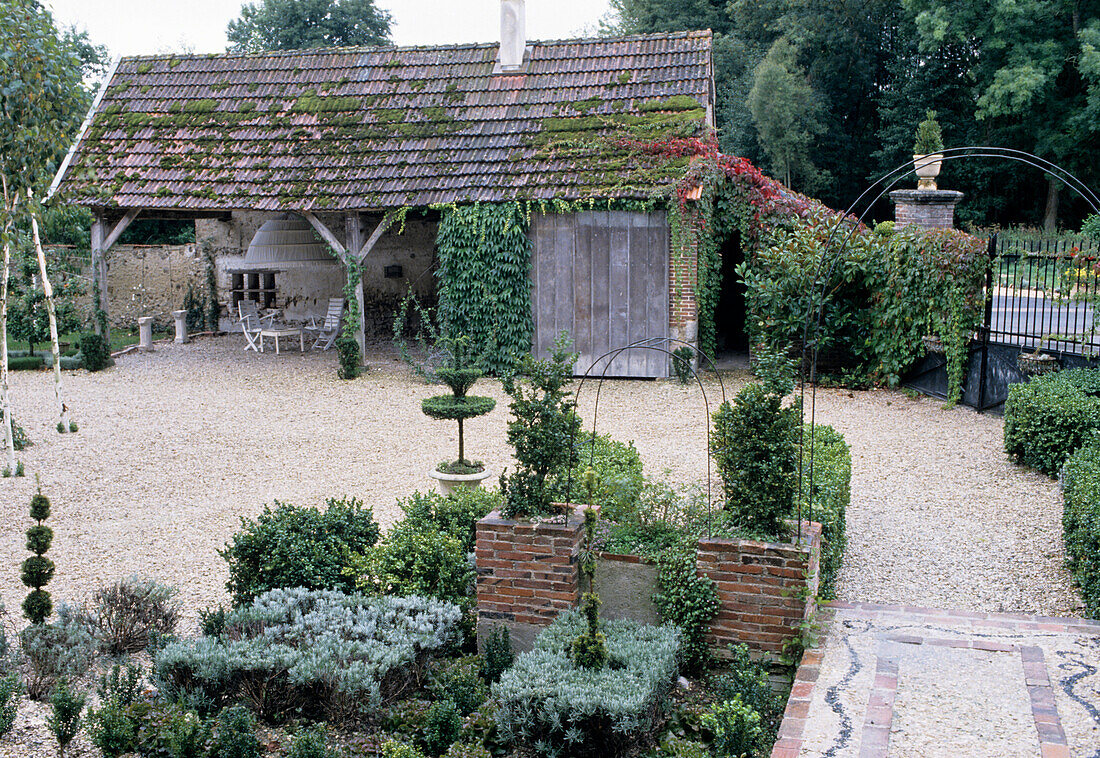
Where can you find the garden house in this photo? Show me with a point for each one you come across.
(376, 148)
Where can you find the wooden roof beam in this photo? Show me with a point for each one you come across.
(119, 228)
(326, 234)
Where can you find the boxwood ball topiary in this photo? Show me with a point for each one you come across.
(37, 571)
(40, 507)
(39, 539)
(37, 606)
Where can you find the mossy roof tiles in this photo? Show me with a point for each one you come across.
(368, 128)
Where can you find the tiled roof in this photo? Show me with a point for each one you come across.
(364, 128)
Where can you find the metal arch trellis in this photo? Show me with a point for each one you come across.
(651, 343)
(815, 312)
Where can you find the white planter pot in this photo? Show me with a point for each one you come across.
(927, 168)
(448, 483)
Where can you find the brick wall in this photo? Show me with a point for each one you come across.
(683, 272)
(527, 573)
(758, 587)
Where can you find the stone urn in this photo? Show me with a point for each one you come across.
(927, 168)
(448, 483)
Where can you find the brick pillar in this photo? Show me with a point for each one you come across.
(763, 589)
(927, 209)
(683, 271)
(527, 573)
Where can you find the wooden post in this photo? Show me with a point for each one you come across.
(99, 276)
(353, 233)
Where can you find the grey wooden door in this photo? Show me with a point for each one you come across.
(602, 277)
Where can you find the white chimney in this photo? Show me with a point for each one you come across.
(513, 34)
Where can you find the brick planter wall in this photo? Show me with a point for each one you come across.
(527, 573)
(759, 587)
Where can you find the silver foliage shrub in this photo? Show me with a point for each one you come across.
(554, 708)
(318, 652)
(125, 614)
(64, 649)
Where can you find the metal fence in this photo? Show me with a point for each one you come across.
(1041, 294)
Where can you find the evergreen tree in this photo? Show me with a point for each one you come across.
(300, 24)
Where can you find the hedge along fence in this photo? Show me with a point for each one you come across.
(1050, 417)
(1081, 521)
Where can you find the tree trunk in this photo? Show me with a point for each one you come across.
(1050, 217)
(47, 288)
(5, 390)
(461, 452)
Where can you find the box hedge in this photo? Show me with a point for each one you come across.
(1050, 417)
(832, 479)
(313, 653)
(1081, 521)
(554, 708)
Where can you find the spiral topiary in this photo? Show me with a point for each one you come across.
(38, 569)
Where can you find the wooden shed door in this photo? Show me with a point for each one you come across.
(602, 277)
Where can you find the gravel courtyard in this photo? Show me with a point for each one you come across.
(175, 446)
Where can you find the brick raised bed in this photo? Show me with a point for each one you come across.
(766, 589)
(527, 573)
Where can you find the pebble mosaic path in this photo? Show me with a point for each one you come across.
(906, 682)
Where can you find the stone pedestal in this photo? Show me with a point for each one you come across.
(181, 327)
(145, 333)
(926, 209)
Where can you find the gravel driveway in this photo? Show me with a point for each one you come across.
(175, 446)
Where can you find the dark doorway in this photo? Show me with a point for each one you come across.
(729, 316)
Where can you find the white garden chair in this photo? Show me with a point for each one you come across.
(328, 330)
(252, 323)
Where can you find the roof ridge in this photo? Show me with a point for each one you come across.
(700, 33)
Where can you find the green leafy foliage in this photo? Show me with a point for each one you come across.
(288, 546)
(64, 719)
(235, 734)
(38, 569)
(736, 728)
(455, 514)
(460, 682)
(1081, 521)
(551, 707)
(828, 498)
(442, 726)
(753, 444)
(11, 687)
(458, 372)
(297, 24)
(589, 649)
(395, 749)
(498, 655)
(747, 679)
(311, 653)
(484, 285)
(682, 364)
(687, 600)
(112, 728)
(19, 436)
(95, 351)
(347, 350)
(929, 136)
(416, 560)
(618, 470)
(543, 424)
(1050, 417)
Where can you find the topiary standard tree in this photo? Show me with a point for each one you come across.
(38, 569)
(459, 373)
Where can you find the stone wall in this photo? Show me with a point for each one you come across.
(150, 280)
(765, 589)
(626, 584)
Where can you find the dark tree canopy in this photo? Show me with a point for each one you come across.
(300, 24)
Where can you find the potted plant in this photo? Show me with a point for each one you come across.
(927, 157)
(459, 373)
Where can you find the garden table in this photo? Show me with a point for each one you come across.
(289, 331)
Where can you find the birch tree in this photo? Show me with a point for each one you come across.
(42, 101)
(51, 311)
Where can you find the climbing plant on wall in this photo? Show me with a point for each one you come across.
(484, 279)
